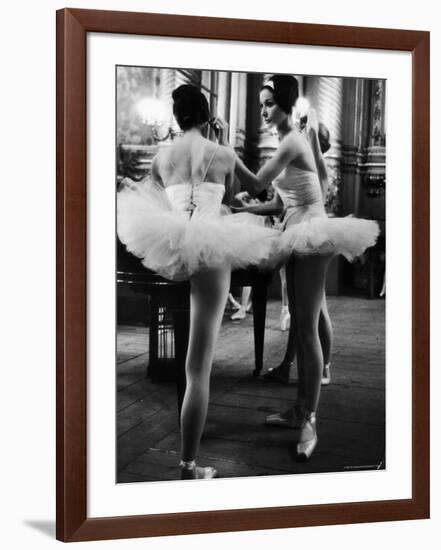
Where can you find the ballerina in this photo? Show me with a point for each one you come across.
(281, 373)
(308, 241)
(174, 223)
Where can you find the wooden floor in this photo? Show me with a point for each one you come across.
(351, 420)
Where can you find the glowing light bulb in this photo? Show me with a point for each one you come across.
(152, 111)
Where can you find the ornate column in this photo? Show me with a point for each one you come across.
(354, 136)
(364, 170)
(365, 151)
(374, 178)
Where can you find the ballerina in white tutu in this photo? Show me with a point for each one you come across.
(176, 223)
(281, 373)
(309, 238)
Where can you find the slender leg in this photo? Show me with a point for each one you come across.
(326, 332)
(241, 313)
(181, 330)
(292, 349)
(245, 299)
(309, 283)
(208, 294)
(284, 291)
(285, 318)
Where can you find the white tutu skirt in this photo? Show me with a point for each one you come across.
(177, 245)
(308, 231)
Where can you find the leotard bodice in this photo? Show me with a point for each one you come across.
(297, 187)
(203, 197)
(300, 193)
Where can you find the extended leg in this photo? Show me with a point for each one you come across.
(309, 283)
(326, 335)
(208, 294)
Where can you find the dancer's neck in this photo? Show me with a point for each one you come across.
(193, 133)
(285, 127)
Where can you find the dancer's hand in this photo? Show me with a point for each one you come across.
(242, 199)
(221, 129)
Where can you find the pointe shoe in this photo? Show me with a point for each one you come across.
(239, 315)
(292, 418)
(308, 438)
(326, 377)
(189, 470)
(278, 374)
(285, 319)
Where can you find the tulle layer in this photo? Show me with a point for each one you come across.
(348, 236)
(177, 245)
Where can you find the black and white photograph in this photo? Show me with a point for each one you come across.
(226, 344)
(250, 276)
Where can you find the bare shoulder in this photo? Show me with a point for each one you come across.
(294, 140)
(160, 163)
(227, 154)
(163, 157)
(158, 159)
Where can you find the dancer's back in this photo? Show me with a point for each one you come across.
(193, 159)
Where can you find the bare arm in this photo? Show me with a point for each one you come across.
(288, 150)
(229, 184)
(290, 147)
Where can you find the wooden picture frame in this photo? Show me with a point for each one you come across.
(72, 521)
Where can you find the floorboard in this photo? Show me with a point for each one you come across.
(236, 441)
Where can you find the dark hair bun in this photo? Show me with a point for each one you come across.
(190, 106)
(285, 89)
